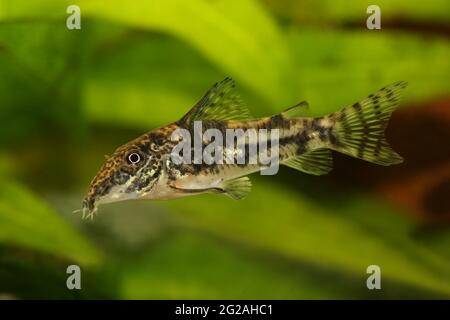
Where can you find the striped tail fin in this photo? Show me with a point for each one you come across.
(359, 128)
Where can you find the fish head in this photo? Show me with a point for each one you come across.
(130, 173)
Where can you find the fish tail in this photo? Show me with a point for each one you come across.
(359, 128)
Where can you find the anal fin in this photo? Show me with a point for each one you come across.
(237, 188)
(317, 162)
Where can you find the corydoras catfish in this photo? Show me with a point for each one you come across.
(144, 168)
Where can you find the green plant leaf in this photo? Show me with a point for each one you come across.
(365, 62)
(188, 266)
(39, 66)
(292, 225)
(27, 221)
(146, 81)
(332, 12)
(320, 66)
(222, 33)
(134, 95)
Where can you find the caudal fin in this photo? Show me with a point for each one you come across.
(359, 128)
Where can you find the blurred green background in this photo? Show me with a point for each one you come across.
(68, 97)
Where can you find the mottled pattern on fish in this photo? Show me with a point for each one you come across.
(143, 167)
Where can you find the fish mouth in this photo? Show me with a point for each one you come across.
(90, 204)
(89, 208)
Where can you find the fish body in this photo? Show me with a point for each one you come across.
(145, 168)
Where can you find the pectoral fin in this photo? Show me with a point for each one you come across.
(198, 191)
(238, 188)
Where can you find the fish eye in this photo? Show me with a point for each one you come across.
(134, 158)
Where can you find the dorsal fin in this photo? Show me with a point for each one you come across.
(316, 162)
(295, 111)
(221, 102)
